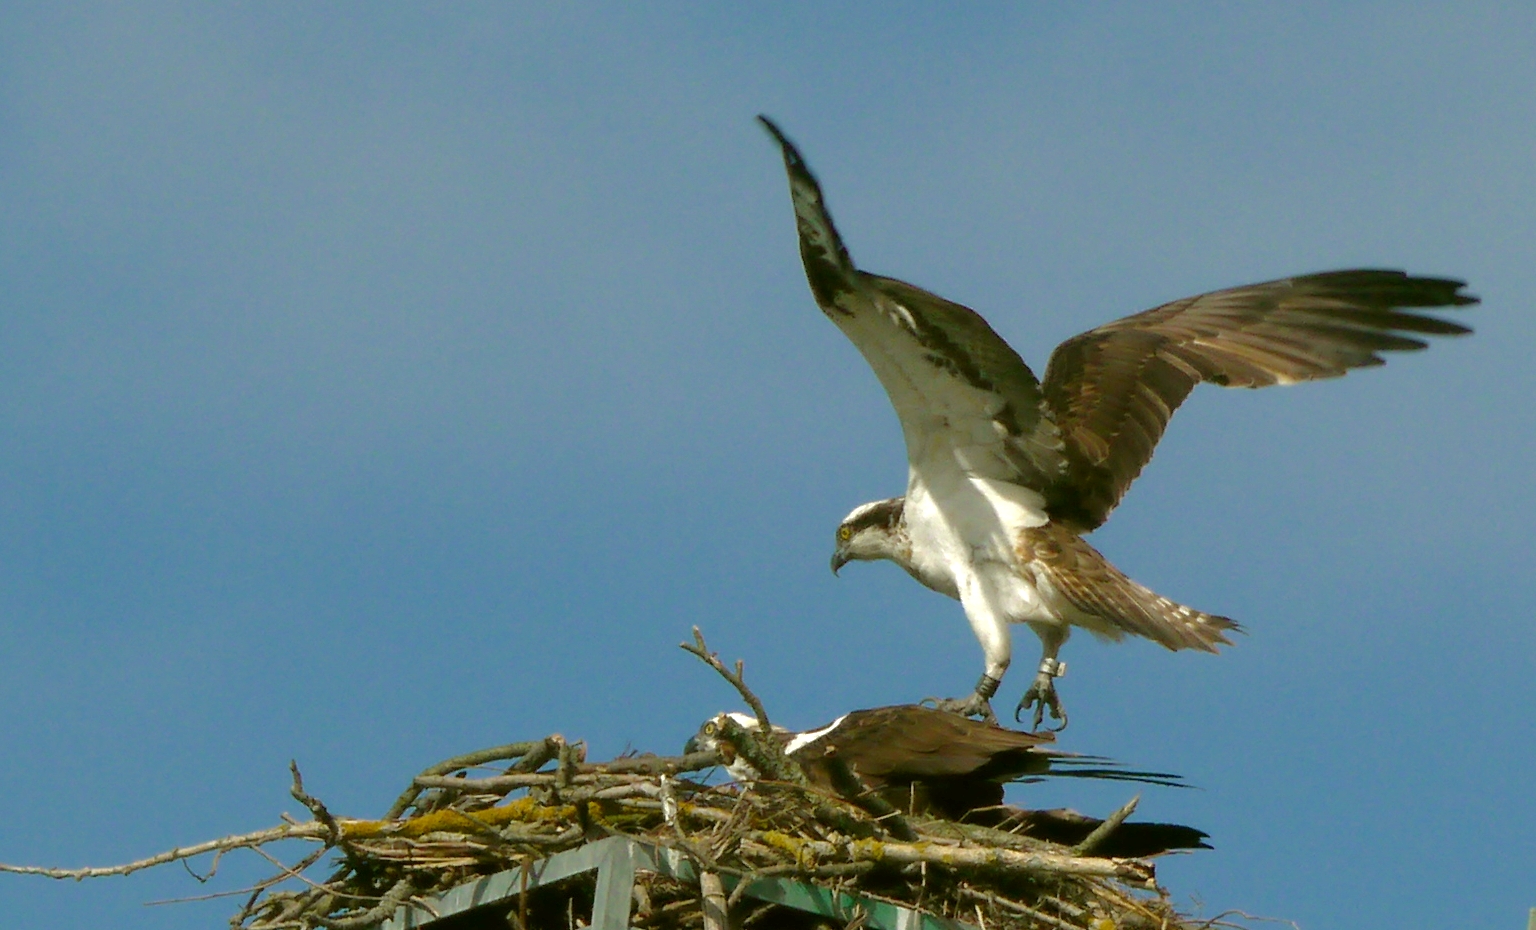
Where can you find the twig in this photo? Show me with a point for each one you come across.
(1019, 908)
(468, 760)
(652, 765)
(284, 872)
(315, 806)
(1102, 831)
(375, 915)
(637, 769)
(565, 764)
(698, 648)
(1218, 922)
(303, 831)
(986, 836)
(503, 783)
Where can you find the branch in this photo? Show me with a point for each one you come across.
(316, 808)
(1018, 907)
(468, 760)
(765, 754)
(699, 649)
(300, 831)
(375, 915)
(1102, 831)
(960, 856)
(712, 890)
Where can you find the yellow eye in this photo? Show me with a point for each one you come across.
(710, 728)
(844, 533)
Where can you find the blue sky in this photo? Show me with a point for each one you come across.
(380, 382)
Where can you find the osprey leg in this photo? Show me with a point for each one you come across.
(1042, 692)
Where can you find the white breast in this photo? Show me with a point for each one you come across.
(961, 523)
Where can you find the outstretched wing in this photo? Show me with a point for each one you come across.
(1112, 389)
(964, 397)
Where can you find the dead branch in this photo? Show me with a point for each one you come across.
(470, 760)
(1103, 830)
(316, 808)
(302, 831)
(698, 648)
(964, 857)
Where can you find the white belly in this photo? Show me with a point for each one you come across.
(968, 545)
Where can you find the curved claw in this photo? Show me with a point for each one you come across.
(1042, 695)
(973, 706)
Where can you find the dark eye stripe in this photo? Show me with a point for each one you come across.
(886, 513)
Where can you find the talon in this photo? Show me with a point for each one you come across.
(976, 705)
(1042, 695)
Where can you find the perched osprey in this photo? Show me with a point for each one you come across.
(1007, 472)
(927, 761)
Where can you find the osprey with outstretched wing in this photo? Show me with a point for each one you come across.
(1007, 471)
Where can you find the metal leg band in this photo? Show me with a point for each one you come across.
(987, 686)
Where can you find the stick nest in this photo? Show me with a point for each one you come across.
(506, 807)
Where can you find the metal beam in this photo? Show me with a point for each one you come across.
(617, 859)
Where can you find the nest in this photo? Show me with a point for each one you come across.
(449, 828)
(502, 811)
(454, 825)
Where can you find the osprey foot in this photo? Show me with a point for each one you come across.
(1042, 695)
(979, 704)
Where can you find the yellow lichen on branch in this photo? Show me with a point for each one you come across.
(525, 810)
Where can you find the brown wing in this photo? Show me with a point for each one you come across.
(907, 742)
(969, 406)
(1113, 389)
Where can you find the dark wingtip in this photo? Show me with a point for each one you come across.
(776, 132)
(791, 154)
(1441, 292)
(1457, 298)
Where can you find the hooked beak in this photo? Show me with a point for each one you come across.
(839, 559)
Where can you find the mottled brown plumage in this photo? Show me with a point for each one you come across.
(1111, 604)
(1112, 390)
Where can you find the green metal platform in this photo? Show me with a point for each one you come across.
(617, 859)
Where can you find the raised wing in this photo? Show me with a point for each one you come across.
(1112, 389)
(962, 394)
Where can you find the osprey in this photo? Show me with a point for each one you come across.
(1006, 472)
(931, 762)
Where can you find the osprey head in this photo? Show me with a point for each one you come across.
(710, 738)
(871, 531)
